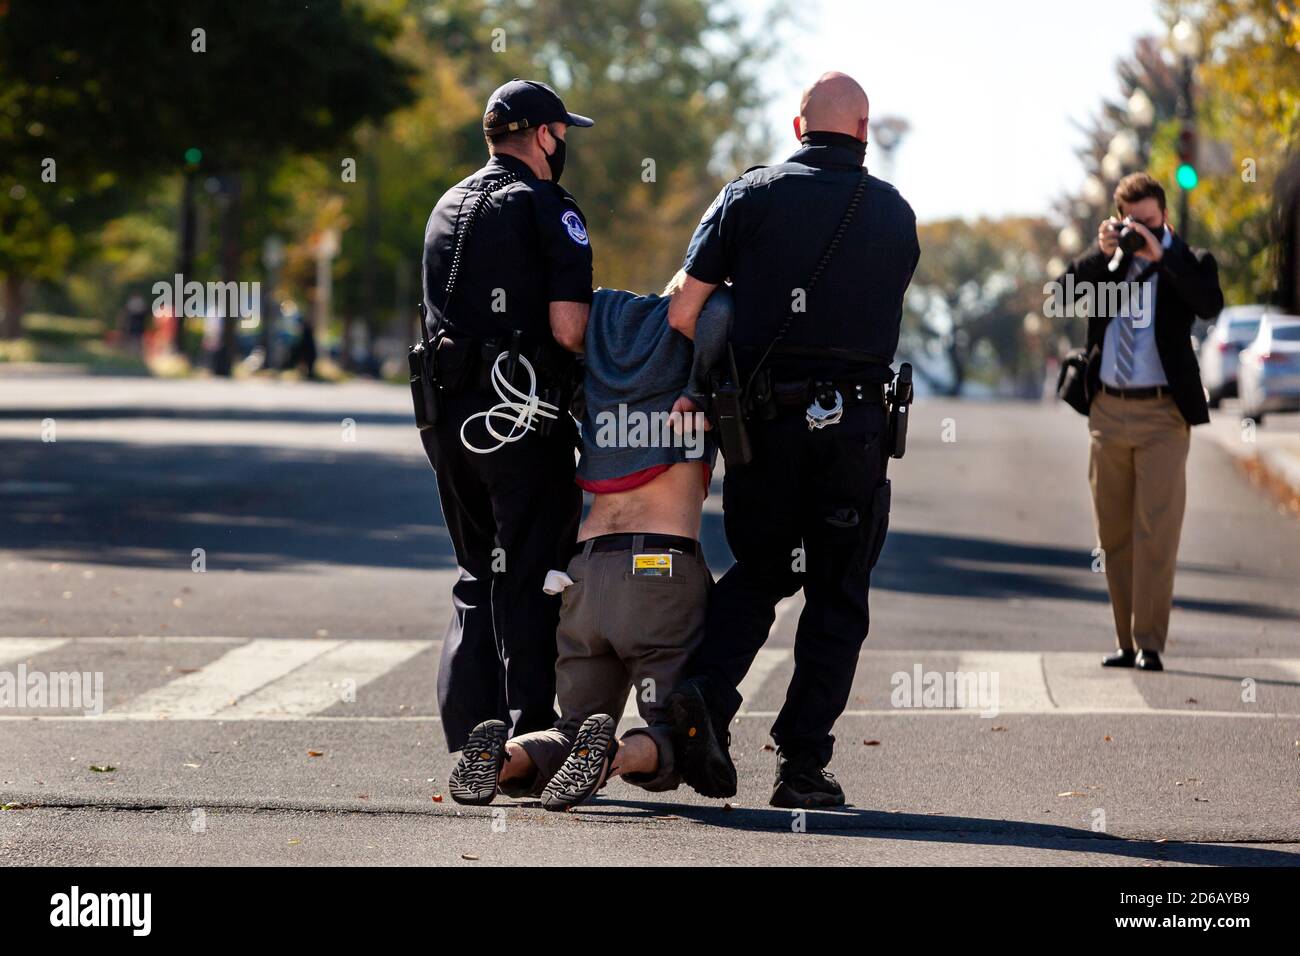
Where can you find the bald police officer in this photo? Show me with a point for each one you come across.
(507, 286)
(816, 327)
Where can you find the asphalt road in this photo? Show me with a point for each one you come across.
(277, 706)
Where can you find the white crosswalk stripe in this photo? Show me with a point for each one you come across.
(219, 685)
(768, 660)
(326, 680)
(16, 649)
(1078, 683)
(1020, 684)
(287, 679)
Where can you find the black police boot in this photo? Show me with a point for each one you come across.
(699, 746)
(1119, 659)
(802, 786)
(1149, 661)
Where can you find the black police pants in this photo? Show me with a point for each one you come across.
(810, 511)
(513, 516)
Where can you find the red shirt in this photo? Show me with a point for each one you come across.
(611, 486)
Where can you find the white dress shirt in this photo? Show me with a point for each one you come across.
(1147, 370)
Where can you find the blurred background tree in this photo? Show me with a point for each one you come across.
(965, 315)
(245, 147)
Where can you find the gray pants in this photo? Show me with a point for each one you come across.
(621, 631)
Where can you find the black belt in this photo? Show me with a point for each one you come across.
(1151, 391)
(628, 541)
(801, 393)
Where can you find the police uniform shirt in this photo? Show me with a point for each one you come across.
(766, 232)
(528, 248)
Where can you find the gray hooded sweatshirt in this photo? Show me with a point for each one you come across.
(636, 369)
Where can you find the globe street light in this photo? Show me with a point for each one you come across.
(1141, 111)
(1185, 39)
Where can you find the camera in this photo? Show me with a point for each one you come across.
(1130, 240)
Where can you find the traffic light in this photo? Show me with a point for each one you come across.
(193, 156)
(1187, 176)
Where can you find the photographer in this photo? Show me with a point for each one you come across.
(1144, 392)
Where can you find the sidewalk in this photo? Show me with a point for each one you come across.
(1270, 453)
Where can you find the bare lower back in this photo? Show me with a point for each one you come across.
(670, 504)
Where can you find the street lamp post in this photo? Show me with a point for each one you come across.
(1186, 42)
(1141, 114)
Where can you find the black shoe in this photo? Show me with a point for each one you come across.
(586, 768)
(474, 778)
(805, 788)
(699, 749)
(1149, 661)
(1119, 659)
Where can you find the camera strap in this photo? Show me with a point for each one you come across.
(849, 212)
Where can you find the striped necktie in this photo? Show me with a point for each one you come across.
(1124, 351)
(1124, 346)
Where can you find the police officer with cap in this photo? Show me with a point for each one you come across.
(819, 255)
(507, 285)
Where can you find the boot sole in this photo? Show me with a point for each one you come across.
(473, 780)
(586, 768)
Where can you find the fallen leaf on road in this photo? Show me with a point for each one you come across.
(469, 856)
(363, 796)
(1192, 700)
(769, 747)
(437, 798)
(102, 768)
(1072, 793)
(294, 842)
(315, 753)
(1201, 799)
(727, 806)
(193, 766)
(999, 727)
(1108, 738)
(871, 743)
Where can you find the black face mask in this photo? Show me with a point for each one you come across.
(555, 160)
(1157, 231)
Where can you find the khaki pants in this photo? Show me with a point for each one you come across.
(619, 632)
(1138, 473)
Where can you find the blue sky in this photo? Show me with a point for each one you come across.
(989, 86)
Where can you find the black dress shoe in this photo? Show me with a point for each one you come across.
(1119, 659)
(1149, 661)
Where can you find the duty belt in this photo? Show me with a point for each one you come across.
(798, 394)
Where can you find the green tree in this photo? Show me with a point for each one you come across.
(125, 90)
(974, 286)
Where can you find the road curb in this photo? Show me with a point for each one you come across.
(1278, 467)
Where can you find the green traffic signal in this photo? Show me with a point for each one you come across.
(1187, 177)
(193, 156)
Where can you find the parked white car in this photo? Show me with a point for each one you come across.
(1235, 328)
(1268, 375)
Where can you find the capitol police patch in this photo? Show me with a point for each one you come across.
(574, 227)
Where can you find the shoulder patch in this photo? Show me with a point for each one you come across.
(572, 223)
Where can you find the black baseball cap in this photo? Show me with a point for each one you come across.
(521, 104)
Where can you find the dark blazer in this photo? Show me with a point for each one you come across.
(1188, 288)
